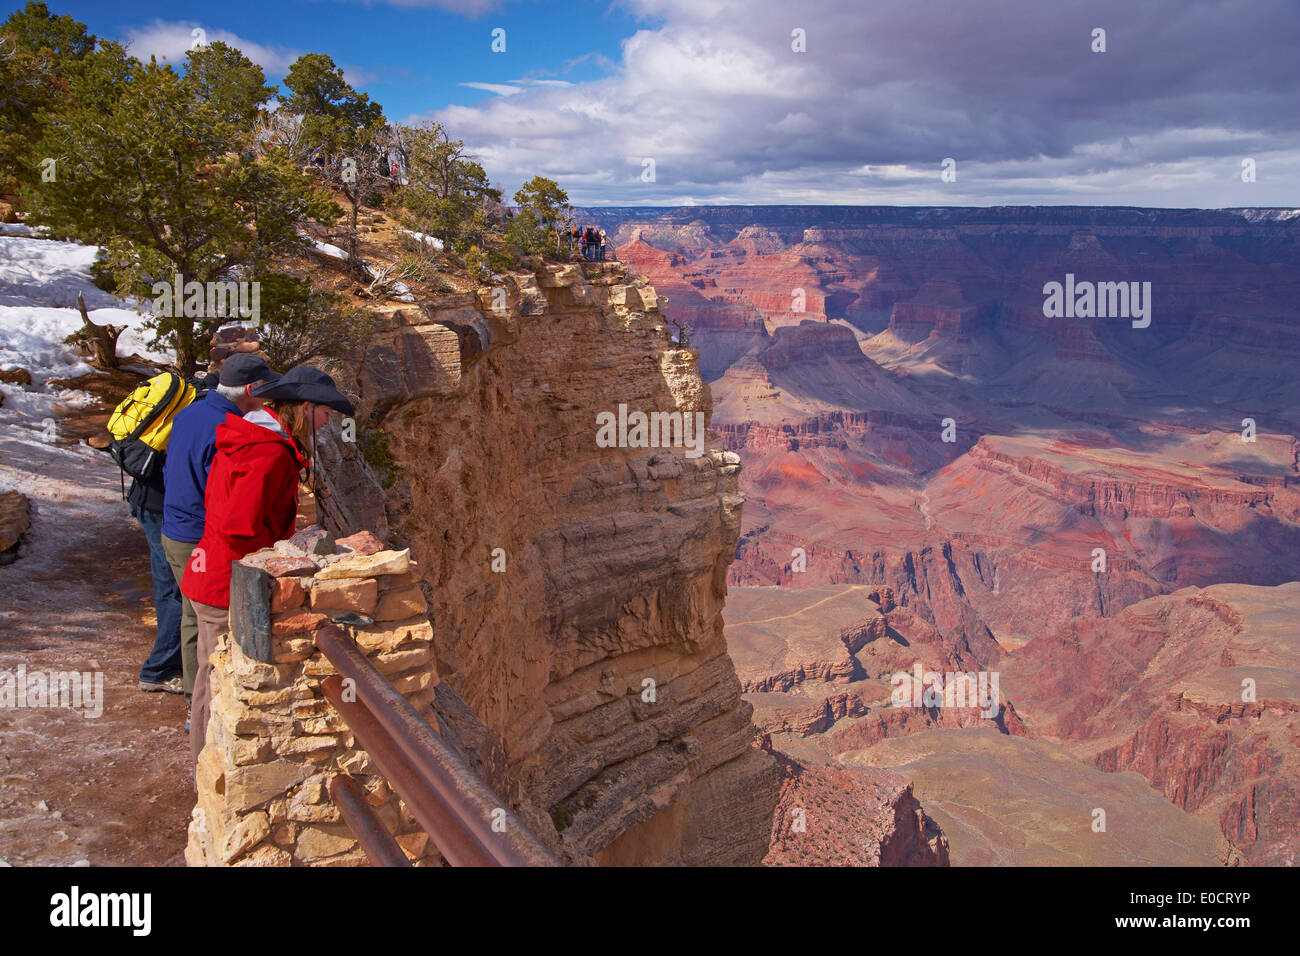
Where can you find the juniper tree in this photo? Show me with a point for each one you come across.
(302, 322)
(342, 131)
(145, 162)
(358, 168)
(544, 211)
(227, 81)
(330, 108)
(38, 52)
(445, 186)
(34, 29)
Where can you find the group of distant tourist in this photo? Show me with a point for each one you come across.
(227, 486)
(589, 241)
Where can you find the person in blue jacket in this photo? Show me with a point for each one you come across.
(190, 449)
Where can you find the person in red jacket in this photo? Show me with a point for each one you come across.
(250, 502)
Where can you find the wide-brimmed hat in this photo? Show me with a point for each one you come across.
(305, 384)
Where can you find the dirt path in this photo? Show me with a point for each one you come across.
(77, 790)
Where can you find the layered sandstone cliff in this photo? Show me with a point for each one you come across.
(576, 591)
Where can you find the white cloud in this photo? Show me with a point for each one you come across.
(171, 40)
(512, 87)
(500, 89)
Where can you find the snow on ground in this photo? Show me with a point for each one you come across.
(34, 408)
(72, 489)
(337, 253)
(68, 487)
(401, 290)
(326, 249)
(39, 282)
(430, 241)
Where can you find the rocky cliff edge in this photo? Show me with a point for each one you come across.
(576, 591)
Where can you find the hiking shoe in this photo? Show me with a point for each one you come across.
(171, 685)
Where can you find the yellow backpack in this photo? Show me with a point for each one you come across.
(142, 423)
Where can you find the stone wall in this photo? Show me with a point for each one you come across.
(273, 740)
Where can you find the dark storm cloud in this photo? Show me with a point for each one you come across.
(1011, 90)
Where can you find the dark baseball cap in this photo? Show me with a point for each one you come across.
(245, 368)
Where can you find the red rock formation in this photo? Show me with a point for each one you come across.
(828, 816)
(1069, 439)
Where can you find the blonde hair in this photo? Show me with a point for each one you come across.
(296, 418)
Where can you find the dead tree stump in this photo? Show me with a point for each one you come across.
(100, 339)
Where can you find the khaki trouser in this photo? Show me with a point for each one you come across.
(178, 555)
(213, 622)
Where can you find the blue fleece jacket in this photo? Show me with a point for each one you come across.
(190, 449)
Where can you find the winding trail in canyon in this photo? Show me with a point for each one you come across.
(810, 607)
(923, 505)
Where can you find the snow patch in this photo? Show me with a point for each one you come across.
(326, 249)
(429, 241)
(402, 292)
(69, 486)
(39, 282)
(1265, 214)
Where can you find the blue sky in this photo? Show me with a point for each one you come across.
(411, 58)
(674, 102)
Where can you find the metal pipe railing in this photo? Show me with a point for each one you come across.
(381, 849)
(468, 822)
(457, 845)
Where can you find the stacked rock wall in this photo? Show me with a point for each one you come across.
(273, 741)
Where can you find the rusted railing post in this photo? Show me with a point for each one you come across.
(470, 824)
(457, 845)
(381, 849)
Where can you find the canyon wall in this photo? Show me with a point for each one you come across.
(576, 591)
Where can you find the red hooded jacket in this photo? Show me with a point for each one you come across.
(250, 503)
